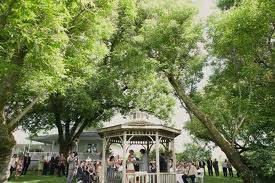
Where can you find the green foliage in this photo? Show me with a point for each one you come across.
(227, 4)
(95, 86)
(194, 152)
(240, 94)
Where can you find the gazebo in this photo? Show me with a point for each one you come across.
(139, 131)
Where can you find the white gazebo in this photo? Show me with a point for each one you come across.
(139, 131)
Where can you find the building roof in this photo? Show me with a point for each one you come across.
(48, 139)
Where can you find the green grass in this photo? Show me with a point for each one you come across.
(33, 178)
(220, 179)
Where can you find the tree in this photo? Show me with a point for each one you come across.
(194, 151)
(240, 95)
(168, 39)
(98, 94)
(31, 62)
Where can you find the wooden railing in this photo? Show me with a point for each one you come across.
(168, 178)
(144, 177)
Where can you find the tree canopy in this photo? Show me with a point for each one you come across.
(74, 64)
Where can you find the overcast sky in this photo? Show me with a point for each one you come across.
(206, 7)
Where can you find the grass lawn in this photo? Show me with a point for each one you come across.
(32, 178)
(220, 179)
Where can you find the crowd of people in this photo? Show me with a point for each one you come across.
(226, 167)
(189, 170)
(20, 164)
(89, 171)
(50, 165)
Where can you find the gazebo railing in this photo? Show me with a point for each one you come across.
(144, 177)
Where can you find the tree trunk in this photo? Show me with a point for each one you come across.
(7, 143)
(64, 149)
(232, 154)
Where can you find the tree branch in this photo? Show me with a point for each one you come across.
(14, 123)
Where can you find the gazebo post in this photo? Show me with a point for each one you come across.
(157, 157)
(174, 155)
(103, 160)
(148, 148)
(124, 157)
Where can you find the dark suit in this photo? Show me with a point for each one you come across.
(202, 165)
(216, 167)
(26, 164)
(209, 167)
(162, 164)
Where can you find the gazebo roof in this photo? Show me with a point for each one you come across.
(139, 125)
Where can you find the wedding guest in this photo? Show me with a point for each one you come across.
(111, 169)
(40, 165)
(13, 164)
(209, 166)
(162, 163)
(26, 163)
(72, 165)
(61, 165)
(143, 163)
(230, 171)
(191, 173)
(202, 165)
(224, 168)
(47, 159)
(98, 170)
(19, 166)
(52, 165)
(216, 167)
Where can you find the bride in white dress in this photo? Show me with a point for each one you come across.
(130, 166)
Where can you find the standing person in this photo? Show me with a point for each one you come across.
(130, 166)
(80, 173)
(111, 169)
(182, 169)
(191, 172)
(162, 163)
(47, 159)
(57, 165)
(202, 165)
(26, 164)
(136, 164)
(216, 167)
(72, 164)
(230, 171)
(152, 167)
(143, 163)
(52, 165)
(209, 166)
(61, 167)
(40, 165)
(19, 166)
(98, 170)
(224, 168)
(13, 164)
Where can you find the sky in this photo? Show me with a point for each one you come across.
(206, 7)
